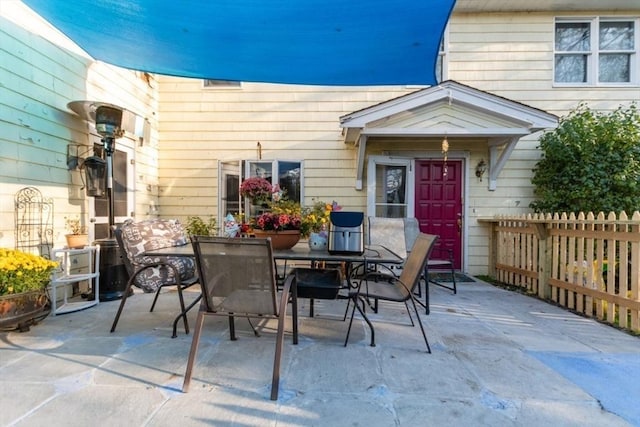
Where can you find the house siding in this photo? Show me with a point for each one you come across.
(511, 55)
(201, 126)
(40, 72)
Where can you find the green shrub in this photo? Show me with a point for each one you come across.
(196, 226)
(590, 162)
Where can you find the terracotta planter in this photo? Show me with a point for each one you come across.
(280, 239)
(20, 311)
(77, 241)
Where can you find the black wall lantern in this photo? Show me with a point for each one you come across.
(481, 168)
(95, 169)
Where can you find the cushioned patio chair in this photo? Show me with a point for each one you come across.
(153, 274)
(237, 277)
(397, 289)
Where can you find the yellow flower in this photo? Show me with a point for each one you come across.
(23, 272)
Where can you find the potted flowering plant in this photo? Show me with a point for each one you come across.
(257, 189)
(23, 281)
(77, 236)
(282, 224)
(316, 218)
(315, 223)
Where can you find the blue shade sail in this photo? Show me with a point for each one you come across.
(319, 42)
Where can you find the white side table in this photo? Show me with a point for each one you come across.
(76, 266)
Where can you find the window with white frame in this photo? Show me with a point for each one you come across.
(390, 184)
(596, 51)
(287, 173)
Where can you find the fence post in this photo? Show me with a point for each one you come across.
(544, 257)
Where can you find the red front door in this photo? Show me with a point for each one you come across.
(438, 204)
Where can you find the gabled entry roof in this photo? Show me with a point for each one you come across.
(448, 109)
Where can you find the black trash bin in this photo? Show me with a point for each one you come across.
(113, 273)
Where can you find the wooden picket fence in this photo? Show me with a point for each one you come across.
(587, 263)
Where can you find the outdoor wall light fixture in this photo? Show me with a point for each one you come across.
(481, 168)
(95, 169)
(94, 181)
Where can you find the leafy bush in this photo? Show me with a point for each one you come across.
(196, 226)
(590, 162)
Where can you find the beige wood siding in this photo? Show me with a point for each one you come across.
(511, 55)
(41, 71)
(202, 126)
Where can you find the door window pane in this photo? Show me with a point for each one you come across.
(391, 191)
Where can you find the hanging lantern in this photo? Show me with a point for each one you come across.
(95, 169)
(445, 151)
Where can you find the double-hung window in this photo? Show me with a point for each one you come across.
(596, 51)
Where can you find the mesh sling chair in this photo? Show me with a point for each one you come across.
(238, 279)
(153, 274)
(443, 262)
(399, 289)
(387, 232)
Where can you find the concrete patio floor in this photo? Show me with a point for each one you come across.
(499, 359)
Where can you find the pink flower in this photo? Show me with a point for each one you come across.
(256, 188)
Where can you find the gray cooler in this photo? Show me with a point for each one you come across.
(346, 233)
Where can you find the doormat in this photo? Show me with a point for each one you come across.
(446, 277)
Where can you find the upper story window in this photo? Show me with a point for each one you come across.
(596, 51)
(221, 83)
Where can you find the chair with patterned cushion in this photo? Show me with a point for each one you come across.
(152, 274)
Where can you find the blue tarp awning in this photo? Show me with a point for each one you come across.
(320, 42)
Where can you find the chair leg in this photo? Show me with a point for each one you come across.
(127, 290)
(184, 314)
(194, 349)
(232, 328)
(425, 304)
(424, 334)
(184, 317)
(453, 278)
(366, 319)
(277, 359)
(353, 311)
(155, 298)
(406, 305)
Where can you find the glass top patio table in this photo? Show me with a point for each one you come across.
(373, 254)
(301, 252)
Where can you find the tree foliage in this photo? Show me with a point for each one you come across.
(590, 162)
